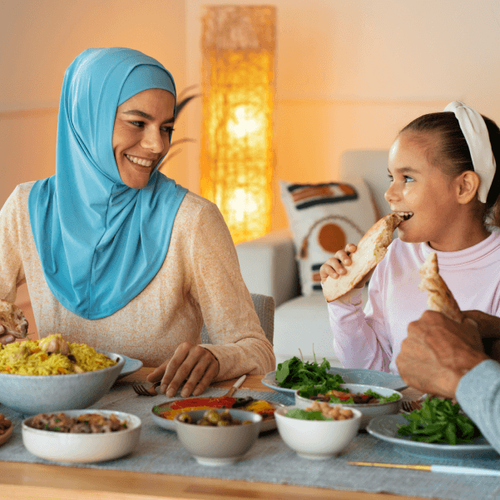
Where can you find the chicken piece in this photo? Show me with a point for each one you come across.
(54, 344)
(22, 353)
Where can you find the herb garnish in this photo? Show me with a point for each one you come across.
(439, 421)
(306, 415)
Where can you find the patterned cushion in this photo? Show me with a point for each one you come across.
(324, 218)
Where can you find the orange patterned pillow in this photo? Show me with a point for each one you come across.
(323, 219)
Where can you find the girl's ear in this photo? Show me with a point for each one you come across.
(467, 186)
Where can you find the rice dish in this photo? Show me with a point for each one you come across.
(51, 356)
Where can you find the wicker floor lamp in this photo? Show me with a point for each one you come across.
(237, 158)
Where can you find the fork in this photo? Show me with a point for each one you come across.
(142, 391)
(409, 406)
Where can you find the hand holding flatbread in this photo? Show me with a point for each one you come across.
(370, 251)
(440, 297)
(13, 320)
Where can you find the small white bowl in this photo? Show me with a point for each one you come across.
(83, 448)
(316, 439)
(211, 445)
(369, 410)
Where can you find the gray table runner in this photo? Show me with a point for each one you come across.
(270, 460)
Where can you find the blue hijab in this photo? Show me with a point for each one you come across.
(100, 242)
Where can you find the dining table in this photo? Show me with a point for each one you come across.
(53, 481)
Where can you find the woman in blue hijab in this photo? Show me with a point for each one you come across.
(120, 256)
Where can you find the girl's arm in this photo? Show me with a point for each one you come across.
(359, 336)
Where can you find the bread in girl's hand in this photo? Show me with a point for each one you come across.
(13, 319)
(440, 297)
(370, 251)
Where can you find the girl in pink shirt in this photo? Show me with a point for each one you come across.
(442, 171)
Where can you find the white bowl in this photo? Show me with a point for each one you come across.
(370, 410)
(33, 394)
(316, 439)
(211, 445)
(84, 448)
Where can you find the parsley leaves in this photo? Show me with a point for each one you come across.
(439, 421)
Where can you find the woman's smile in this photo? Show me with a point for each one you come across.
(139, 161)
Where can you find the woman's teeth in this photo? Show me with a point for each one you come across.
(139, 161)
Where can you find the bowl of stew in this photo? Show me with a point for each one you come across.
(82, 436)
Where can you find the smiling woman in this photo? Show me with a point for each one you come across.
(115, 254)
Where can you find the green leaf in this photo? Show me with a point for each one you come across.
(306, 415)
(439, 421)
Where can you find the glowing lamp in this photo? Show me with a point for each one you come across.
(237, 158)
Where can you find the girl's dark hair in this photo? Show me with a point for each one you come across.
(453, 155)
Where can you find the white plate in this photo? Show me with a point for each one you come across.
(267, 425)
(386, 429)
(131, 366)
(350, 376)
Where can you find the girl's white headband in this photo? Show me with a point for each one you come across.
(476, 134)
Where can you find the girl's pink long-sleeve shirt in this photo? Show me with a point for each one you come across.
(372, 337)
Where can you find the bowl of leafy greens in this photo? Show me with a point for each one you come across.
(372, 401)
(317, 433)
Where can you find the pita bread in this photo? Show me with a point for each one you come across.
(13, 319)
(370, 251)
(440, 297)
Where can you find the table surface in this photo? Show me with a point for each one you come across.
(53, 482)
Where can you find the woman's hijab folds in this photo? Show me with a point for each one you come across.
(100, 242)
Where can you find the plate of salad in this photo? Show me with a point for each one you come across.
(294, 374)
(438, 430)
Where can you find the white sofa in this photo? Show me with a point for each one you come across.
(269, 267)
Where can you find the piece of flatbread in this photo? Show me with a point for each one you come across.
(13, 319)
(370, 251)
(440, 297)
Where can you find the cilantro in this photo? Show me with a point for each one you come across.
(295, 374)
(439, 421)
(306, 415)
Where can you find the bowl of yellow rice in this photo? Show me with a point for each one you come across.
(40, 376)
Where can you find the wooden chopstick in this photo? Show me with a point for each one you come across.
(449, 469)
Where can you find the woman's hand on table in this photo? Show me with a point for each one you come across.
(5, 338)
(192, 365)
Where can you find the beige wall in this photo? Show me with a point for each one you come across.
(39, 39)
(350, 73)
